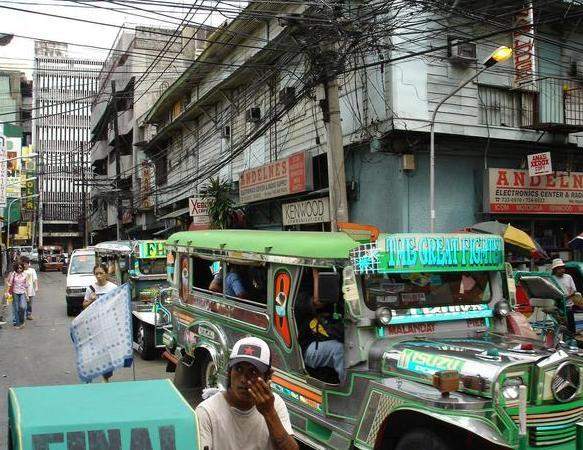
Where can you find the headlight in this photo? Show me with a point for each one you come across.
(510, 388)
(384, 316)
(502, 308)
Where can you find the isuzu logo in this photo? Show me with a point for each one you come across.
(566, 382)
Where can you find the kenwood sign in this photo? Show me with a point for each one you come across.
(307, 211)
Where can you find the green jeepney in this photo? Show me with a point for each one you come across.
(143, 265)
(427, 350)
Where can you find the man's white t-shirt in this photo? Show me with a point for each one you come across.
(222, 427)
(99, 290)
(32, 278)
(568, 285)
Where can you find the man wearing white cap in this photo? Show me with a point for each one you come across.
(568, 286)
(248, 415)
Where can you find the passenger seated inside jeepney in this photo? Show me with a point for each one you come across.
(242, 281)
(320, 331)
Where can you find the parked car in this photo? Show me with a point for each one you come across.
(79, 277)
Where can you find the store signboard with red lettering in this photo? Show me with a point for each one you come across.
(198, 207)
(285, 176)
(524, 51)
(540, 164)
(509, 191)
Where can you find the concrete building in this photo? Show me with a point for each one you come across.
(64, 88)
(226, 117)
(16, 101)
(141, 65)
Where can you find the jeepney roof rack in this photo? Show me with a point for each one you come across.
(359, 232)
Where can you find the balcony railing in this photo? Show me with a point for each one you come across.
(553, 105)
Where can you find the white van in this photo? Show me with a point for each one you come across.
(79, 277)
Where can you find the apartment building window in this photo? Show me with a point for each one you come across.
(504, 107)
(161, 164)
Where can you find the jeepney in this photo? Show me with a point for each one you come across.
(427, 350)
(143, 264)
(51, 258)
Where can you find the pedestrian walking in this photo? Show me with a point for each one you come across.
(95, 290)
(32, 280)
(18, 286)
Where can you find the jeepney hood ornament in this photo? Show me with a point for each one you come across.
(482, 357)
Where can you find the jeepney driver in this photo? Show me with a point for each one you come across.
(568, 286)
(248, 415)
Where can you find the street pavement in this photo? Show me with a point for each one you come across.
(42, 352)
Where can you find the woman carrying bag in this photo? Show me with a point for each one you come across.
(18, 286)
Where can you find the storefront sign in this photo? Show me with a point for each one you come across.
(308, 211)
(286, 176)
(540, 164)
(523, 43)
(418, 253)
(510, 191)
(198, 207)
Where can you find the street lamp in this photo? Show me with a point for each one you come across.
(500, 54)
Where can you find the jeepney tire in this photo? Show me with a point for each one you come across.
(422, 439)
(70, 310)
(148, 349)
(206, 366)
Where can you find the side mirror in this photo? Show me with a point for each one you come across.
(328, 287)
(167, 295)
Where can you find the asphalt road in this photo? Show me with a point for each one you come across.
(42, 353)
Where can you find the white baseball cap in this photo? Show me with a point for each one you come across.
(557, 262)
(252, 350)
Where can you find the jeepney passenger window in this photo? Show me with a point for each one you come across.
(247, 283)
(202, 275)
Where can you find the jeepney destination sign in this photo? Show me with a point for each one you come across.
(404, 253)
(152, 249)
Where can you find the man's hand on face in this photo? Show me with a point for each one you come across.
(262, 396)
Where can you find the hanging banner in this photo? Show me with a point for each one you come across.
(515, 192)
(540, 164)
(13, 153)
(2, 167)
(523, 51)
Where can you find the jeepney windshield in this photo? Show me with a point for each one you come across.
(82, 264)
(417, 290)
(152, 266)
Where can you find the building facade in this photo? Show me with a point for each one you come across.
(16, 101)
(64, 89)
(144, 61)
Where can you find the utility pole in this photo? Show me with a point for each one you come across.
(117, 161)
(84, 200)
(335, 157)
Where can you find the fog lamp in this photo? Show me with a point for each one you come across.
(384, 316)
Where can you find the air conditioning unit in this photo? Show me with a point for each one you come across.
(287, 95)
(461, 51)
(226, 132)
(253, 115)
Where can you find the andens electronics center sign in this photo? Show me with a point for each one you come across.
(515, 192)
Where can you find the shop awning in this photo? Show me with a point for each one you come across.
(175, 214)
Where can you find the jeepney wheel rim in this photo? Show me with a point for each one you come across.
(140, 338)
(210, 375)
